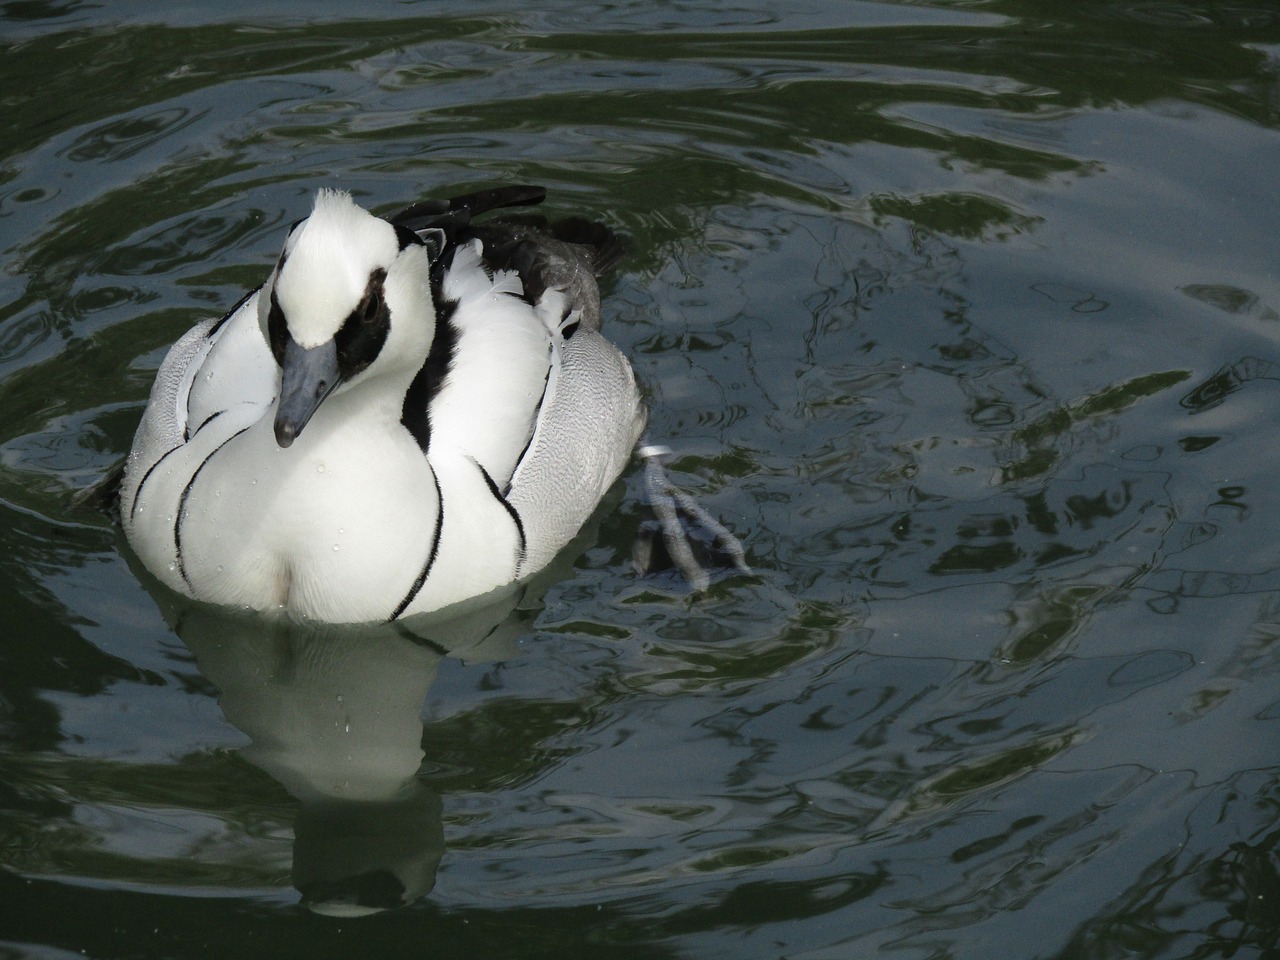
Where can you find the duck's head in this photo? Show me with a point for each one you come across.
(349, 299)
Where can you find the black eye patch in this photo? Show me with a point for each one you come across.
(362, 334)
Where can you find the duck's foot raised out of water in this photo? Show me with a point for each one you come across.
(680, 520)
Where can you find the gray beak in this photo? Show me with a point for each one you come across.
(307, 378)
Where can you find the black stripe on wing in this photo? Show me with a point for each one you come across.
(515, 516)
(182, 503)
(231, 313)
(187, 435)
(533, 432)
(416, 411)
(431, 558)
(137, 493)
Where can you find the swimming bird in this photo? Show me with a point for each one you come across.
(410, 412)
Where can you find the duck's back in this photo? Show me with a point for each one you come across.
(537, 396)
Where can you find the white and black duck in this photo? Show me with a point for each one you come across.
(409, 413)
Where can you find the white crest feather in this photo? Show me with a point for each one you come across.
(327, 267)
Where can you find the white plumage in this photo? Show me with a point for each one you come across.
(408, 413)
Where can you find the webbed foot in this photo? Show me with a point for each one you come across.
(678, 518)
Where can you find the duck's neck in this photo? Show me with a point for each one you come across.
(368, 410)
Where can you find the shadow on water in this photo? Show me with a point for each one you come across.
(334, 716)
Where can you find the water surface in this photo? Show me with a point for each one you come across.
(964, 316)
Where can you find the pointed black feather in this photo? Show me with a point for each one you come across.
(458, 210)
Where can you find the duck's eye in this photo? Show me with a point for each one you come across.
(372, 305)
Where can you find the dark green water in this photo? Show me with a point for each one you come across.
(965, 316)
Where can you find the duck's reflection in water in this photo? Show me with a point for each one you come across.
(334, 714)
